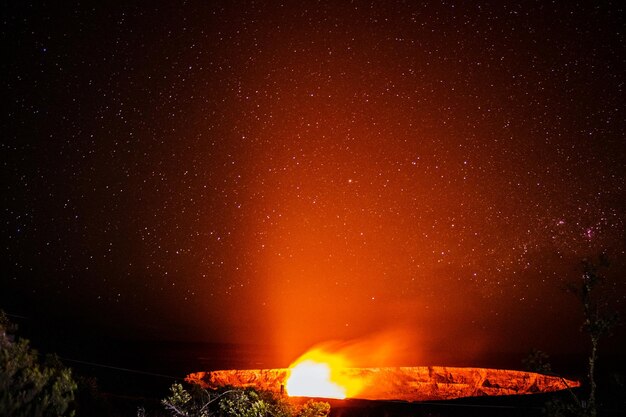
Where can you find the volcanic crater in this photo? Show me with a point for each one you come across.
(422, 383)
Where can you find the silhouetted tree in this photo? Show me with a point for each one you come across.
(537, 361)
(598, 321)
(27, 387)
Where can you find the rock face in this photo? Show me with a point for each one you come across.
(423, 383)
(263, 379)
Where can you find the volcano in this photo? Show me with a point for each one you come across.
(423, 383)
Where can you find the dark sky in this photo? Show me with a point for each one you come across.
(290, 173)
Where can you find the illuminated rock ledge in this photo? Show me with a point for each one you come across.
(423, 383)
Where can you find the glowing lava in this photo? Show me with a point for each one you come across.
(312, 379)
(319, 374)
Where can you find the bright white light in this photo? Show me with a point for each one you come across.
(312, 379)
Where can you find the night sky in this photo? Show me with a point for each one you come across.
(290, 173)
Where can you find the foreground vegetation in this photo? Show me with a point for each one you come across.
(235, 402)
(28, 387)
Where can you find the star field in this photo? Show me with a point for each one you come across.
(301, 172)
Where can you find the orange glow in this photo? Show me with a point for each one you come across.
(320, 374)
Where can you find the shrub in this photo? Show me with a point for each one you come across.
(28, 388)
(236, 402)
